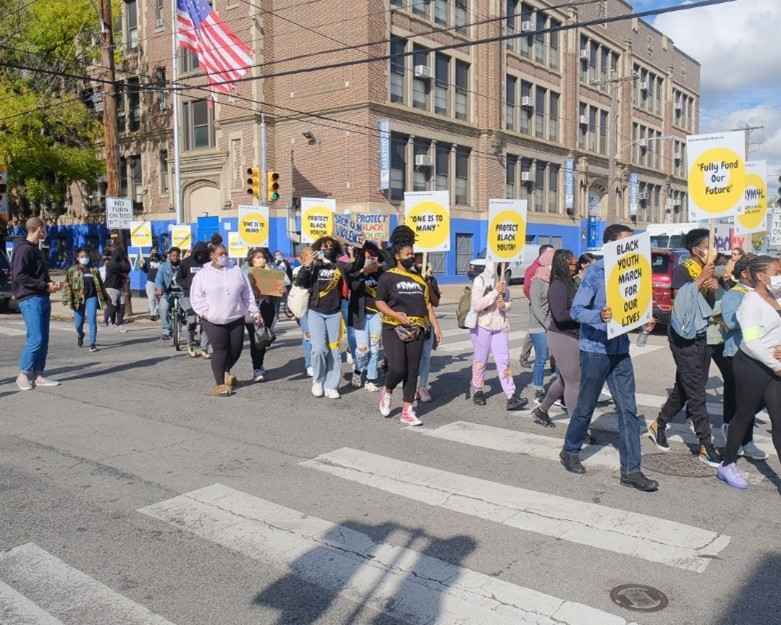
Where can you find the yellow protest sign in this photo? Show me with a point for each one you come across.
(628, 283)
(428, 214)
(506, 230)
(754, 215)
(317, 218)
(254, 227)
(182, 236)
(141, 233)
(237, 248)
(717, 174)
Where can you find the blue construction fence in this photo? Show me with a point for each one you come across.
(468, 238)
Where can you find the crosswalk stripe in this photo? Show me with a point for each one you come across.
(12, 331)
(67, 593)
(16, 609)
(403, 583)
(620, 531)
(514, 441)
(54, 325)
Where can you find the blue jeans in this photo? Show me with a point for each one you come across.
(166, 301)
(425, 360)
(88, 310)
(36, 312)
(617, 370)
(351, 342)
(325, 332)
(368, 343)
(540, 342)
(306, 342)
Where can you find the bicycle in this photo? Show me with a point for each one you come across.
(177, 319)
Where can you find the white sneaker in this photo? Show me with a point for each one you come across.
(371, 387)
(23, 382)
(332, 393)
(310, 372)
(317, 389)
(604, 395)
(385, 402)
(259, 375)
(751, 450)
(349, 358)
(408, 417)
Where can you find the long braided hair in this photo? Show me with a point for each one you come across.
(560, 270)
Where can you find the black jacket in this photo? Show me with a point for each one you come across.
(192, 265)
(117, 270)
(29, 273)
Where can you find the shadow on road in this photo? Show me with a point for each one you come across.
(755, 598)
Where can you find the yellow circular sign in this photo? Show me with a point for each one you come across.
(716, 180)
(507, 235)
(630, 289)
(254, 228)
(755, 195)
(431, 223)
(317, 222)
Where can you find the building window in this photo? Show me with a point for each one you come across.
(159, 7)
(526, 111)
(397, 63)
(133, 105)
(398, 172)
(162, 102)
(441, 97)
(420, 82)
(553, 37)
(539, 186)
(462, 176)
(440, 11)
(460, 16)
(442, 165)
(137, 181)
(419, 7)
(123, 189)
(526, 182)
(510, 167)
(526, 41)
(553, 119)
(462, 90)
(603, 124)
(510, 17)
(119, 90)
(131, 24)
(553, 188)
(163, 171)
(421, 148)
(198, 125)
(188, 61)
(511, 84)
(539, 112)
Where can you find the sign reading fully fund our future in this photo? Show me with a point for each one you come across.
(428, 214)
(506, 230)
(717, 172)
(317, 218)
(628, 283)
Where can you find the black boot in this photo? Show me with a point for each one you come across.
(639, 481)
(478, 398)
(571, 462)
(541, 417)
(516, 403)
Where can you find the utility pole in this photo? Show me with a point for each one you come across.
(747, 130)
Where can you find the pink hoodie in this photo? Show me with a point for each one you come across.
(222, 295)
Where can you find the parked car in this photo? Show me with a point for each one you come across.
(5, 281)
(513, 272)
(663, 262)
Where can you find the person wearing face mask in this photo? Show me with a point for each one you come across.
(83, 293)
(150, 266)
(256, 263)
(694, 295)
(166, 288)
(364, 322)
(32, 287)
(326, 279)
(221, 295)
(757, 364)
(185, 273)
(117, 277)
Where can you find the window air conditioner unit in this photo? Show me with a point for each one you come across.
(676, 202)
(527, 102)
(644, 86)
(678, 106)
(677, 156)
(159, 21)
(583, 120)
(584, 55)
(643, 143)
(527, 176)
(642, 196)
(422, 71)
(527, 27)
(422, 160)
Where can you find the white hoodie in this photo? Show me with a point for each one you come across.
(221, 295)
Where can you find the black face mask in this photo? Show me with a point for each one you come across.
(408, 263)
(329, 254)
(175, 264)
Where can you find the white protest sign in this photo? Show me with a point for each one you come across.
(348, 231)
(317, 218)
(254, 226)
(428, 214)
(141, 233)
(628, 283)
(754, 215)
(506, 230)
(717, 172)
(119, 213)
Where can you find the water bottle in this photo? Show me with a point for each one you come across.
(642, 338)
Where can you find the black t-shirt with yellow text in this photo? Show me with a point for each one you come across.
(404, 292)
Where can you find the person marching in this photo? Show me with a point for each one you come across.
(539, 320)
(117, 276)
(757, 364)
(365, 322)
(84, 293)
(256, 260)
(403, 300)
(435, 295)
(220, 295)
(491, 335)
(167, 289)
(188, 269)
(150, 266)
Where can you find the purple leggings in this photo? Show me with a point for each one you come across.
(498, 343)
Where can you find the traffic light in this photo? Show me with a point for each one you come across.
(3, 192)
(272, 186)
(253, 181)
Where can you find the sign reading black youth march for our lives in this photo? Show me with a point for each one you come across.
(628, 283)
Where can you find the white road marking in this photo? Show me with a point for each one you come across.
(11, 331)
(16, 609)
(67, 593)
(19, 326)
(514, 441)
(627, 533)
(403, 583)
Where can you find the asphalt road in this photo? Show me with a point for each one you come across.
(130, 495)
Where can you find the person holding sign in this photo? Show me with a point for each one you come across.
(403, 300)
(325, 278)
(693, 288)
(266, 286)
(365, 322)
(603, 359)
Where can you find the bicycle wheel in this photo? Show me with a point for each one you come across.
(176, 330)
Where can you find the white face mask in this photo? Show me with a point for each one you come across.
(84, 260)
(775, 285)
(222, 261)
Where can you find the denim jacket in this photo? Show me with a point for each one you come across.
(586, 310)
(729, 309)
(165, 275)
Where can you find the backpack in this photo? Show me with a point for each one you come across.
(465, 316)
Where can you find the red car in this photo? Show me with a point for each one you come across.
(663, 262)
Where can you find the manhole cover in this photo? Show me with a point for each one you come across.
(681, 465)
(639, 597)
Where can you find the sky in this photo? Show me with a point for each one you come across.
(739, 47)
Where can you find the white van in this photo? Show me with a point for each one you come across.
(515, 270)
(670, 236)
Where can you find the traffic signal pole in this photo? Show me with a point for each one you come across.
(262, 159)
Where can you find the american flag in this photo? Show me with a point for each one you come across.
(220, 53)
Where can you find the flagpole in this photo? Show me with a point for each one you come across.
(175, 85)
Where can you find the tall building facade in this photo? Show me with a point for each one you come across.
(365, 100)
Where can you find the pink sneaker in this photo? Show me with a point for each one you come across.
(385, 402)
(423, 394)
(408, 417)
